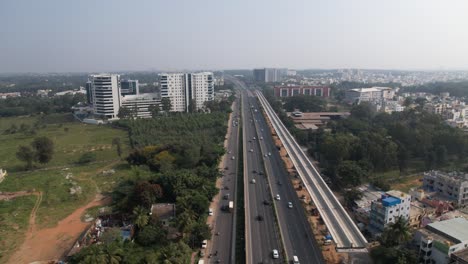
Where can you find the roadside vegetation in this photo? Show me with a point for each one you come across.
(181, 153)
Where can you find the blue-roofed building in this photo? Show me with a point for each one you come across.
(388, 208)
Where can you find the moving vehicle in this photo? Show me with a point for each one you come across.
(204, 243)
(277, 197)
(226, 196)
(210, 211)
(233, 158)
(275, 254)
(290, 205)
(252, 181)
(295, 260)
(231, 206)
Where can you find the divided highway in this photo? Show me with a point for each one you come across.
(344, 231)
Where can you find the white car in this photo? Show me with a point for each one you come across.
(210, 211)
(203, 244)
(269, 153)
(253, 181)
(233, 158)
(277, 197)
(275, 254)
(290, 205)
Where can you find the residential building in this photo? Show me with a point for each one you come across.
(105, 89)
(373, 94)
(452, 185)
(388, 208)
(459, 257)
(439, 240)
(164, 212)
(140, 104)
(286, 91)
(129, 87)
(182, 89)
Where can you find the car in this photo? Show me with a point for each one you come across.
(277, 197)
(260, 173)
(233, 158)
(252, 181)
(290, 205)
(261, 138)
(254, 138)
(295, 260)
(266, 155)
(251, 150)
(254, 171)
(279, 183)
(229, 152)
(259, 218)
(269, 153)
(210, 211)
(204, 243)
(265, 202)
(275, 254)
(226, 196)
(226, 188)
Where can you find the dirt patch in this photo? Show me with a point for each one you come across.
(5, 196)
(52, 243)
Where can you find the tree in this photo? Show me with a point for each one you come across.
(124, 112)
(141, 217)
(400, 230)
(44, 148)
(113, 253)
(152, 235)
(192, 107)
(175, 253)
(154, 110)
(26, 154)
(352, 195)
(349, 173)
(146, 193)
(118, 145)
(166, 104)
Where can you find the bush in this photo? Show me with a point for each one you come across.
(87, 158)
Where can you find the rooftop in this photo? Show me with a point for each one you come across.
(163, 210)
(455, 229)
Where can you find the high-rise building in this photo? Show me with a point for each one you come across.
(89, 92)
(105, 94)
(129, 87)
(183, 89)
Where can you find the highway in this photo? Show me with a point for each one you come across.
(222, 246)
(342, 228)
(262, 234)
(297, 234)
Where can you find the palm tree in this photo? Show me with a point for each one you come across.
(141, 216)
(113, 253)
(94, 255)
(400, 230)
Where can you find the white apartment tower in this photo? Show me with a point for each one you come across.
(183, 88)
(105, 89)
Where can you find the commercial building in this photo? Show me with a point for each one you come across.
(269, 74)
(373, 94)
(183, 89)
(129, 87)
(105, 90)
(286, 91)
(139, 104)
(388, 208)
(452, 185)
(438, 241)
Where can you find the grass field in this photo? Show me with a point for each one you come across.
(56, 178)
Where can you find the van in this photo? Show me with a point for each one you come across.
(295, 260)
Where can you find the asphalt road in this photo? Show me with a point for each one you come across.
(263, 235)
(297, 234)
(222, 246)
(344, 231)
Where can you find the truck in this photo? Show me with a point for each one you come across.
(231, 206)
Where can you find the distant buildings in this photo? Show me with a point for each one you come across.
(453, 185)
(105, 94)
(286, 91)
(8, 95)
(388, 208)
(438, 241)
(373, 94)
(269, 74)
(183, 89)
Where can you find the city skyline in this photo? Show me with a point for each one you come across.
(56, 36)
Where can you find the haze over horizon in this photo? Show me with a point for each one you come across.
(87, 36)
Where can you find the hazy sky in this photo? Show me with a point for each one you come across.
(113, 35)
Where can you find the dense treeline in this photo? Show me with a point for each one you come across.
(31, 105)
(31, 83)
(459, 89)
(182, 152)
